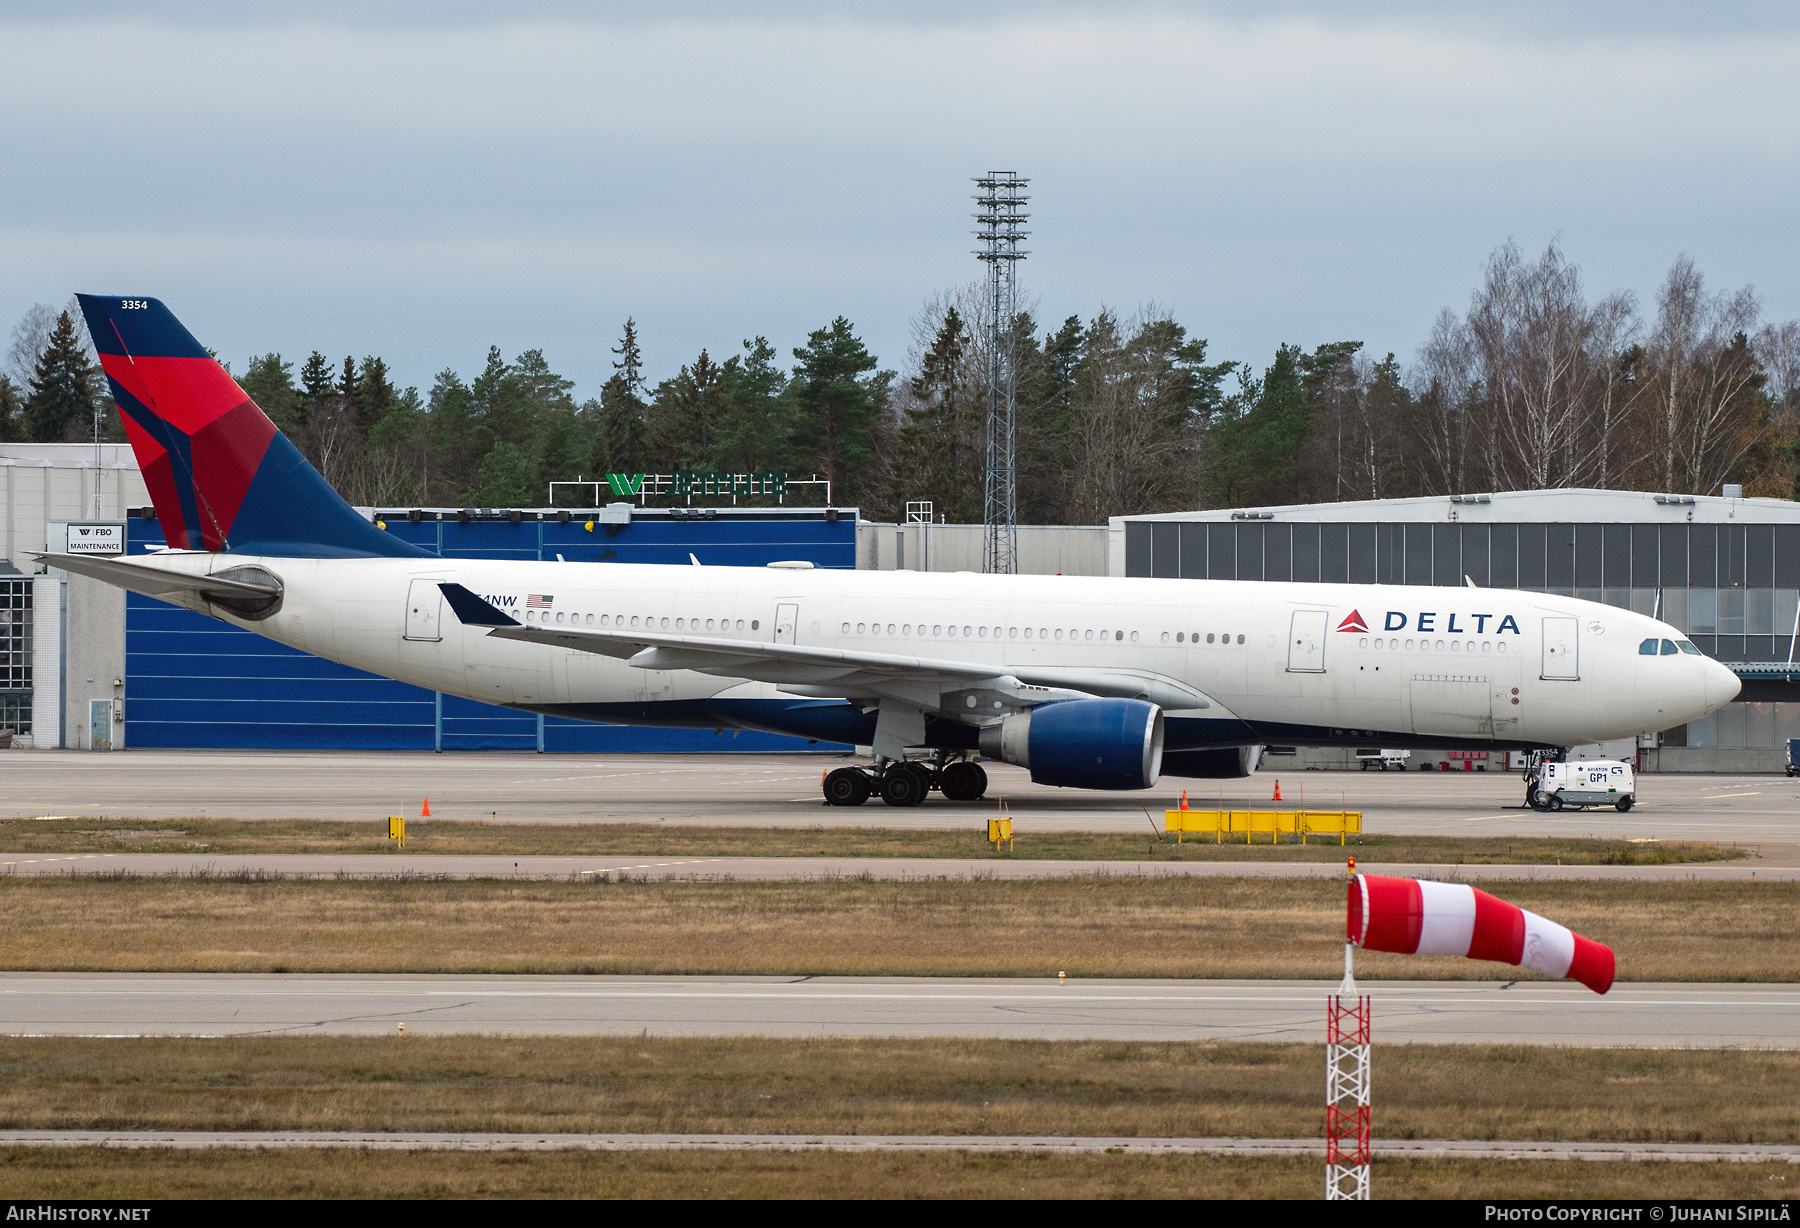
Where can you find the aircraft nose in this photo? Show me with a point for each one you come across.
(1722, 685)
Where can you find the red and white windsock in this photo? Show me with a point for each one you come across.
(1417, 917)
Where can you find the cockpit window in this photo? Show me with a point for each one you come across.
(1647, 648)
(1690, 649)
(1669, 649)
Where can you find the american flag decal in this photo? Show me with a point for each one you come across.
(538, 601)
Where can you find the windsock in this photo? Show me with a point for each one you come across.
(1419, 917)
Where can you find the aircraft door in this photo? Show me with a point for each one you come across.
(1562, 654)
(424, 605)
(787, 622)
(1306, 642)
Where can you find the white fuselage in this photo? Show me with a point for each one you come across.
(1459, 663)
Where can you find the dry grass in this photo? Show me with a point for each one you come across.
(1129, 926)
(657, 840)
(759, 1085)
(90, 1173)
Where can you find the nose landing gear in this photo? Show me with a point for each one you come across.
(908, 783)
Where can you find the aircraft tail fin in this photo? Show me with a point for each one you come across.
(221, 475)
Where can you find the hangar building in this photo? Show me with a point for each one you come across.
(1723, 569)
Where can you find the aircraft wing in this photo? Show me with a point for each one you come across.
(800, 669)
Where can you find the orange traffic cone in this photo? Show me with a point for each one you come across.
(1184, 799)
(427, 813)
(1277, 796)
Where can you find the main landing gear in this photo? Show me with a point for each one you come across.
(908, 783)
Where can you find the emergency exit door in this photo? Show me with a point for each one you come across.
(100, 724)
(424, 604)
(787, 623)
(1306, 642)
(1562, 649)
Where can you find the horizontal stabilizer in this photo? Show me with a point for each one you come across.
(152, 581)
(472, 611)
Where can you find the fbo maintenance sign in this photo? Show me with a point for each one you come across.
(94, 537)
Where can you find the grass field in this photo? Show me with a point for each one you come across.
(750, 1085)
(101, 835)
(1125, 926)
(101, 1173)
(742, 1085)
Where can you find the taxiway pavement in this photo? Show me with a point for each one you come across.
(1535, 1013)
(782, 790)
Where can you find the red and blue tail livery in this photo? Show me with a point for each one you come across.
(221, 475)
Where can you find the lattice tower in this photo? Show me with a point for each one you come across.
(1000, 219)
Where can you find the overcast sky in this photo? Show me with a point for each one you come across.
(422, 180)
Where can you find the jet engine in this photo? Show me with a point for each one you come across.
(1083, 743)
(1222, 763)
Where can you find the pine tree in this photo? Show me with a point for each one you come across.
(270, 383)
(374, 394)
(836, 399)
(621, 444)
(61, 405)
(685, 413)
(11, 411)
(751, 437)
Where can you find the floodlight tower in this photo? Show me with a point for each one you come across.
(1000, 217)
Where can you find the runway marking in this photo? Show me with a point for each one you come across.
(1484, 818)
(1713, 797)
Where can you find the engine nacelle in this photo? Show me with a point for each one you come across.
(1083, 743)
(1220, 763)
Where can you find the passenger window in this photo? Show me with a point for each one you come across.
(1090, 635)
(1209, 637)
(1180, 637)
(1689, 648)
(846, 628)
(755, 624)
(938, 630)
(1165, 637)
(966, 630)
(1240, 639)
(634, 620)
(1647, 648)
(1012, 633)
(1669, 649)
(860, 628)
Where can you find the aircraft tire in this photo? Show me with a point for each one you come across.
(1623, 804)
(963, 782)
(846, 787)
(903, 786)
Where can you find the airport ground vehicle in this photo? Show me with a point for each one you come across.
(1368, 757)
(1585, 783)
(1088, 682)
(1793, 756)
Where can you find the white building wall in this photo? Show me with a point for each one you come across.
(46, 662)
(1044, 550)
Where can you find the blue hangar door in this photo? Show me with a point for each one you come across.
(193, 682)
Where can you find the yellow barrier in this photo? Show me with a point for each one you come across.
(1000, 830)
(397, 829)
(1222, 823)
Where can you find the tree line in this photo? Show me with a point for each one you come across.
(1536, 385)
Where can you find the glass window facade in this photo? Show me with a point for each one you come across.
(15, 655)
(1735, 589)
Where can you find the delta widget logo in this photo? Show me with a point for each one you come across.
(1353, 623)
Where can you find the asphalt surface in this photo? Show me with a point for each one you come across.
(1765, 869)
(783, 791)
(373, 1140)
(1538, 1013)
